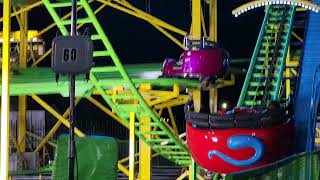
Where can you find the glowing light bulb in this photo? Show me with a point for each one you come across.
(224, 105)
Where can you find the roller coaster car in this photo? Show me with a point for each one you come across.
(202, 59)
(241, 139)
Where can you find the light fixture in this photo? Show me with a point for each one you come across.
(258, 3)
(224, 105)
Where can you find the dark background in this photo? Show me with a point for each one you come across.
(137, 41)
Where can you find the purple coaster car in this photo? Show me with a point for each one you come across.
(202, 59)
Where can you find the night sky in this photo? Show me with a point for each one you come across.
(137, 41)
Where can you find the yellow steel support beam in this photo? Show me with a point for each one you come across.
(297, 36)
(172, 119)
(213, 99)
(41, 58)
(5, 96)
(176, 41)
(160, 25)
(213, 21)
(203, 24)
(152, 18)
(48, 136)
(40, 138)
(182, 176)
(167, 97)
(24, 32)
(145, 152)
(196, 96)
(132, 147)
(24, 9)
(196, 20)
(56, 114)
(54, 128)
(22, 100)
(193, 170)
(288, 84)
(123, 169)
(180, 100)
(107, 111)
(63, 18)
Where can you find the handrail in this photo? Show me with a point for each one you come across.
(282, 65)
(253, 59)
(274, 60)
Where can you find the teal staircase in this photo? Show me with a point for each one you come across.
(264, 77)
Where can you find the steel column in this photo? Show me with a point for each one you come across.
(145, 152)
(5, 97)
(132, 143)
(22, 100)
(213, 21)
(193, 170)
(196, 19)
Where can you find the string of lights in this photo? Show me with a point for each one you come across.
(259, 3)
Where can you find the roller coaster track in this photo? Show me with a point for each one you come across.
(265, 74)
(163, 141)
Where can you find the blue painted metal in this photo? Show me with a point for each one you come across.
(314, 104)
(309, 63)
(241, 141)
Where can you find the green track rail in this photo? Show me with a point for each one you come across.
(167, 143)
(265, 74)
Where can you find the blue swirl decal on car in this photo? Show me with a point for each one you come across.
(241, 141)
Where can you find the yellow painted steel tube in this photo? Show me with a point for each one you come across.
(183, 176)
(41, 58)
(132, 146)
(196, 20)
(131, 12)
(152, 18)
(169, 35)
(172, 119)
(297, 36)
(5, 97)
(123, 169)
(56, 114)
(95, 12)
(63, 18)
(203, 24)
(107, 111)
(24, 9)
(54, 128)
(40, 138)
(48, 136)
(193, 170)
(145, 152)
(213, 21)
(22, 100)
(287, 72)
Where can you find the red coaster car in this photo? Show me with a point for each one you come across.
(239, 140)
(203, 59)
